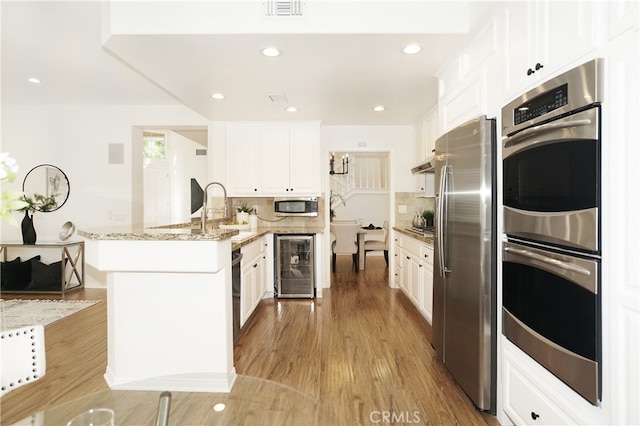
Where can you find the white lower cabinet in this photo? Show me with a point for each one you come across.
(534, 396)
(524, 402)
(416, 273)
(397, 260)
(254, 280)
(426, 296)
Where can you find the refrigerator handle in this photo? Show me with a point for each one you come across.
(441, 212)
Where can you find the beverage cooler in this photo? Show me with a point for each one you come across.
(295, 269)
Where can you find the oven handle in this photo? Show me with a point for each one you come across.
(532, 131)
(555, 262)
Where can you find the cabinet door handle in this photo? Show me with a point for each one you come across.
(530, 71)
(534, 416)
(539, 66)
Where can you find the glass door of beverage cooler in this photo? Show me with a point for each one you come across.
(295, 272)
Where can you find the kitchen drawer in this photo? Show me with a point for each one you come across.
(411, 245)
(426, 256)
(253, 250)
(524, 402)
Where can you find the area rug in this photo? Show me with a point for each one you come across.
(16, 313)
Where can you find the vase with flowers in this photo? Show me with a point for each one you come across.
(336, 199)
(242, 213)
(11, 199)
(35, 202)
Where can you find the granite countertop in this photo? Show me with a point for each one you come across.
(184, 232)
(424, 237)
(132, 233)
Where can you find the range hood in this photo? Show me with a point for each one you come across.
(427, 166)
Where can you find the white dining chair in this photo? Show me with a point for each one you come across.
(377, 245)
(345, 242)
(22, 355)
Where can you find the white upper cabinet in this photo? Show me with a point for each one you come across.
(465, 82)
(304, 157)
(622, 16)
(542, 37)
(273, 159)
(431, 133)
(426, 133)
(243, 166)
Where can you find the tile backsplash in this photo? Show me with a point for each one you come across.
(414, 204)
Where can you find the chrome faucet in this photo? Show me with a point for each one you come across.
(203, 217)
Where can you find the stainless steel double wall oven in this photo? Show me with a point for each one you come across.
(552, 215)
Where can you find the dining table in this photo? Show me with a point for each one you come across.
(252, 400)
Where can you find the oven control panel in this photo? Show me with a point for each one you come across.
(542, 104)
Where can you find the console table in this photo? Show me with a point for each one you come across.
(72, 263)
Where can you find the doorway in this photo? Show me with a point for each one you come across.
(165, 160)
(360, 190)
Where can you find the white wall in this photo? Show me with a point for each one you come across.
(366, 207)
(76, 139)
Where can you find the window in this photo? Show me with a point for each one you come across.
(154, 146)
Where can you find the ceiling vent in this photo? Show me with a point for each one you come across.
(283, 7)
(278, 98)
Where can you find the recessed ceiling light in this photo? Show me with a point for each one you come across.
(412, 49)
(270, 51)
(217, 96)
(378, 108)
(34, 80)
(292, 109)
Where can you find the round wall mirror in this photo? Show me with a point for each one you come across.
(47, 187)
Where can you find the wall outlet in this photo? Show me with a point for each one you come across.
(402, 209)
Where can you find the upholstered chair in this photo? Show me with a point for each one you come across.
(346, 242)
(377, 245)
(22, 355)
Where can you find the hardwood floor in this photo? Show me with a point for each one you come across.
(362, 350)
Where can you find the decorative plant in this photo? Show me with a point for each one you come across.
(332, 198)
(38, 202)
(244, 208)
(11, 199)
(428, 216)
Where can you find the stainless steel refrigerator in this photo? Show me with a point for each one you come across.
(464, 282)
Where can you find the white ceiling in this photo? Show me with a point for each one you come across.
(336, 78)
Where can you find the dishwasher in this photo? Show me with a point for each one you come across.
(295, 266)
(236, 283)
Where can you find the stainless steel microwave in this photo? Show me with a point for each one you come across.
(307, 206)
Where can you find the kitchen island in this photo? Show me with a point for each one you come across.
(169, 307)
